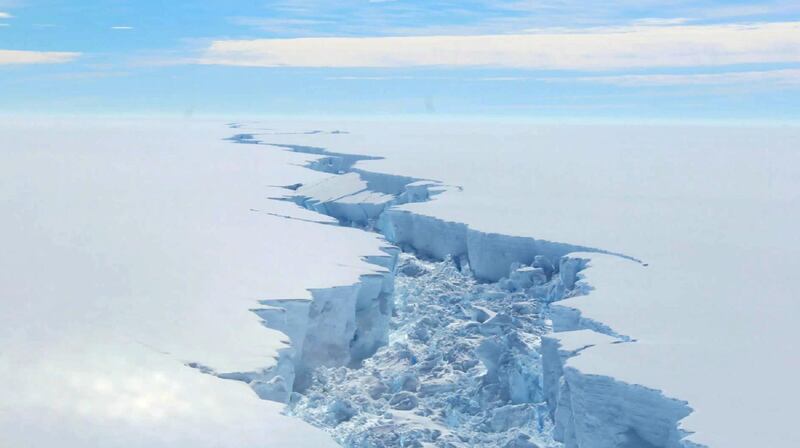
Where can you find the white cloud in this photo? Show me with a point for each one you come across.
(35, 57)
(774, 77)
(589, 49)
(122, 27)
(5, 15)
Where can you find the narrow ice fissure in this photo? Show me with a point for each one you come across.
(446, 344)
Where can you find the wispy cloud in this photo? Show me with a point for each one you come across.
(775, 78)
(781, 77)
(5, 15)
(313, 18)
(585, 49)
(122, 27)
(86, 75)
(658, 21)
(737, 10)
(8, 57)
(283, 26)
(373, 78)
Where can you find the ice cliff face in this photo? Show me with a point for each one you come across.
(598, 411)
(469, 350)
(339, 326)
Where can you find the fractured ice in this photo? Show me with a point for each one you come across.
(451, 341)
(461, 368)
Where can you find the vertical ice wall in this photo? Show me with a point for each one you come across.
(595, 411)
(338, 326)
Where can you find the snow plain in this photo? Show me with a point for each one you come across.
(712, 212)
(130, 249)
(144, 249)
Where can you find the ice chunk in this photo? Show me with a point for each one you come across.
(403, 401)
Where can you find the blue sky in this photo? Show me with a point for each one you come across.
(549, 59)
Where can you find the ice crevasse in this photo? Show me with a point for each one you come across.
(523, 334)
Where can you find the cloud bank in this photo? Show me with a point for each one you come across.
(35, 57)
(592, 49)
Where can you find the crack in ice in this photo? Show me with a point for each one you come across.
(459, 352)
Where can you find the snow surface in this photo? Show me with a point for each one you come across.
(711, 211)
(131, 249)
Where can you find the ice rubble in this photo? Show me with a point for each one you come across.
(461, 367)
(432, 357)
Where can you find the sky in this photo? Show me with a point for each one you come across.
(643, 60)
